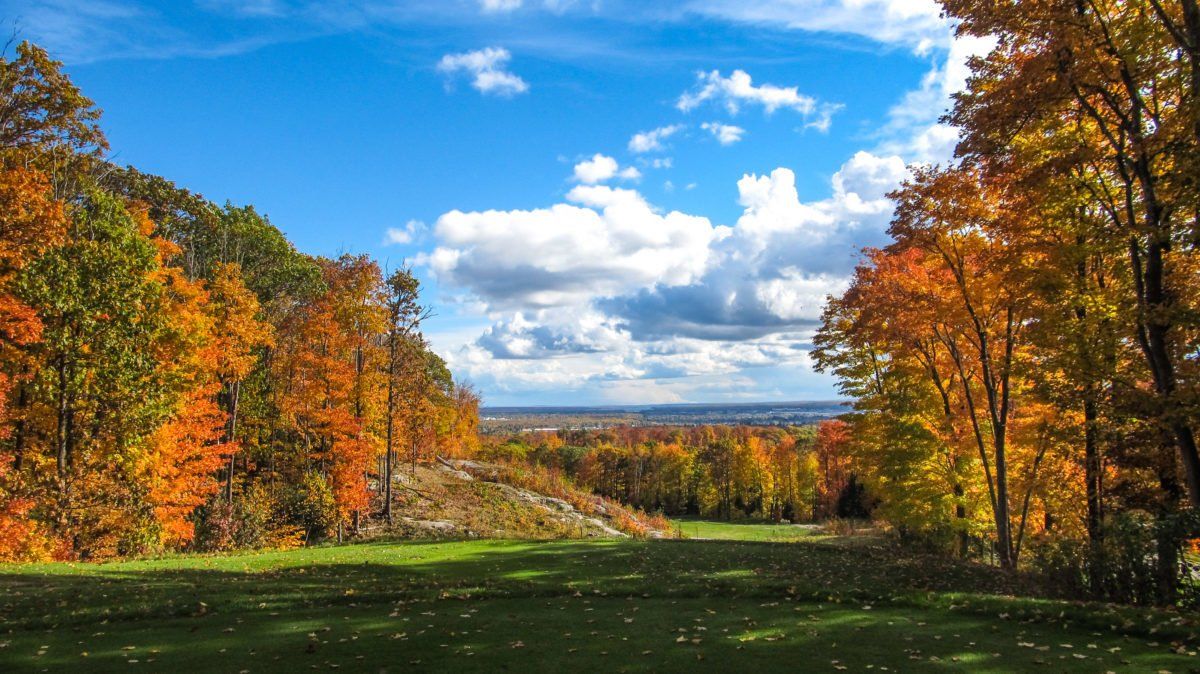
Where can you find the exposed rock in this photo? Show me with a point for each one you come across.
(564, 511)
(449, 469)
(455, 498)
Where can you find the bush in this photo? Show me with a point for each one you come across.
(1125, 566)
(257, 518)
(310, 505)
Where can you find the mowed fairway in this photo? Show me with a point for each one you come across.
(745, 531)
(666, 605)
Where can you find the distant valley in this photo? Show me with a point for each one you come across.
(516, 419)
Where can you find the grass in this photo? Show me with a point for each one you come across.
(743, 531)
(487, 605)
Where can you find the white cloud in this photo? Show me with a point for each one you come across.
(607, 296)
(914, 128)
(771, 274)
(84, 31)
(596, 170)
(629, 173)
(738, 89)
(253, 8)
(913, 23)
(404, 235)
(601, 168)
(499, 5)
(605, 241)
(652, 141)
(726, 134)
(824, 117)
(505, 6)
(487, 69)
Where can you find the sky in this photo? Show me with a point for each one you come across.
(607, 201)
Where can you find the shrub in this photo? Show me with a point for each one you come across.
(1124, 567)
(311, 506)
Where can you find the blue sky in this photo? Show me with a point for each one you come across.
(608, 201)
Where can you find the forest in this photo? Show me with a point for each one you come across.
(174, 374)
(220, 453)
(1024, 355)
(794, 473)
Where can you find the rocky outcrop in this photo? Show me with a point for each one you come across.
(590, 524)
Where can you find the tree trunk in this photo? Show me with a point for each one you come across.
(65, 430)
(1092, 470)
(389, 442)
(1167, 542)
(232, 394)
(960, 514)
(1154, 339)
(19, 429)
(1003, 522)
(63, 425)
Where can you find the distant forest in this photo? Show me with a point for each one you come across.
(495, 420)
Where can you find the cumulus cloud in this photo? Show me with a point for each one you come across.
(726, 134)
(652, 140)
(607, 293)
(518, 337)
(604, 241)
(596, 170)
(691, 369)
(601, 168)
(487, 70)
(783, 257)
(739, 89)
(404, 235)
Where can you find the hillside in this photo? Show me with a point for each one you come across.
(471, 499)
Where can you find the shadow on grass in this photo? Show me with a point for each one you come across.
(319, 581)
(586, 632)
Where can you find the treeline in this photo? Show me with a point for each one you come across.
(1024, 356)
(173, 373)
(799, 473)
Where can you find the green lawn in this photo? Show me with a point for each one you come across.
(671, 605)
(744, 531)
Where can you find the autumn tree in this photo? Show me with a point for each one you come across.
(46, 123)
(156, 347)
(1113, 68)
(238, 336)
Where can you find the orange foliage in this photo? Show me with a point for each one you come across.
(185, 454)
(351, 457)
(833, 464)
(329, 389)
(31, 220)
(238, 332)
(186, 451)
